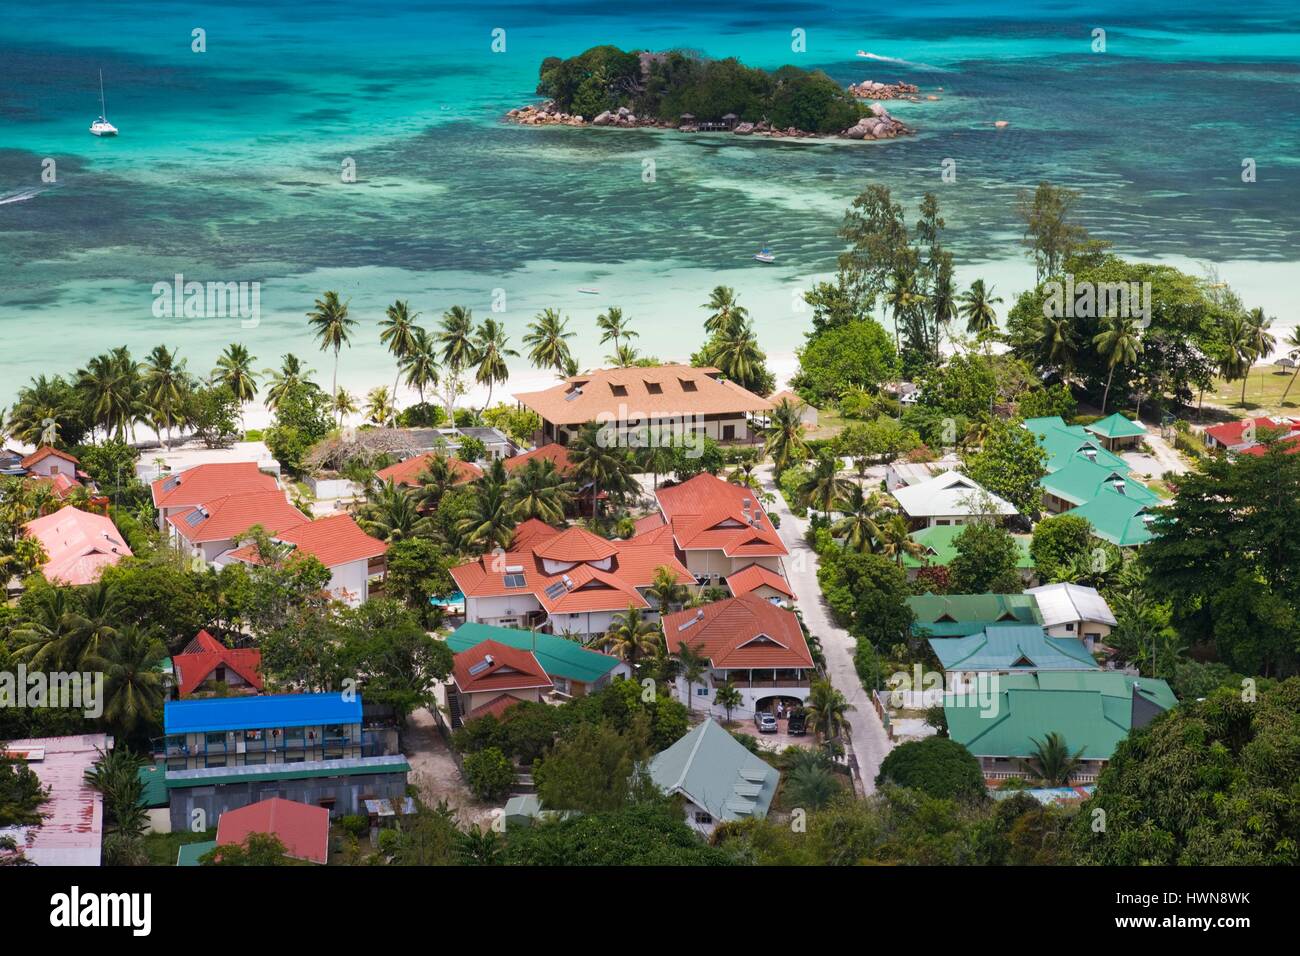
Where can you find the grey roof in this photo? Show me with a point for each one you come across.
(1062, 603)
(486, 435)
(715, 772)
(950, 493)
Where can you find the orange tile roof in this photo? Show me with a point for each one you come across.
(205, 654)
(708, 513)
(555, 453)
(303, 829)
(193, 486)
(232, 515)
(607, 582)
(45, 451)
(754, 577)
(497, 707)
(78, 545)
(634, 393)
(740, 632)
(335, 540)
(408, 472)
(59, 483)
(490, 665)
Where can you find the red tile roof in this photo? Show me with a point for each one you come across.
(1290, 444)
(78, 545)
(740, 632)
(754, 577)
(408, 472)
(555, 453)
(1233, 433)
(335, 540)
(303, 829)
(45, 451)
(205, 482)
(708, 513)
(490, 665)
(59, 483)
(497, 706)
(628, 393)
(205, 654)
(592, 575)
(232, 515)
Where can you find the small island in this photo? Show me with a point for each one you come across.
(681, 90)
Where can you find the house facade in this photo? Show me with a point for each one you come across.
(354, 558)
(1072, 610)
(489, 677)
(749, 643)
(720, 528)
(574, 670)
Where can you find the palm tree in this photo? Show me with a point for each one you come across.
(691, 663)
(896, 540)
(1057, 341)
(291, 376)
(825, 487)
(901, 297)
(614, 327)
(811, 786)
(437, 478)
(1238, 351)
(1292, 343)
(734, 350)
(333, 328)
(724, 310)
(458, 354)
(976, 307)
(379, 406)
(1262, 341)
(49, 637)
(624, 356)
(596, 463)
(398, 333)
(490, 521)
(630, 637)
(537, 490)
(166, 384)
(492, 348)
(784, 439)
(1052, 763)
(827, 710)
(728, 697)
(1120, 343)
(656, 459)
(133, 690)
(235, 371)
(665, 590)
(863, 516)
(421, 362)
(547, 341)
(343, 404)
(110, 388)
(390, 513)
(43, 400)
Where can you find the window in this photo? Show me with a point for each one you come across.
(702, 691)
(620, 390)
(688, 385)
(214, 739)
(215, 762)
(255, 759)
(703, 817)
(1070, 626)
(728, 432)
(654, 388)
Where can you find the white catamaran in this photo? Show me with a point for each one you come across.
(101, 126)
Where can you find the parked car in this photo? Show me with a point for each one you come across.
(765, 722)
(798, 725)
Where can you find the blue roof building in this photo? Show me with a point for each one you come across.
(250, 713)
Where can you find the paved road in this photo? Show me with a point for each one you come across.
(870, 743)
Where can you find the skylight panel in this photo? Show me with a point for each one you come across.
(515, 581)
(555, 590)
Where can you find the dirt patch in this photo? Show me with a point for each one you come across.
(434, 772)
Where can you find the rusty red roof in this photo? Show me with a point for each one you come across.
(303, 829)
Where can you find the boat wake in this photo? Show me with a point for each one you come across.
(21, 195)
(881, 58)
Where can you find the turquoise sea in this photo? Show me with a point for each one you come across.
(228, 163)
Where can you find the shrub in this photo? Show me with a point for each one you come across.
(489, 773)
(937, 766)
(355, 825)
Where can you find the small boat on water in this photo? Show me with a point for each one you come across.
(101, 126)
(765, 255)
(590, 291)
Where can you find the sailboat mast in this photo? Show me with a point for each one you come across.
(103, 110)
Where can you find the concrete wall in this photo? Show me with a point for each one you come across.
(351, 582)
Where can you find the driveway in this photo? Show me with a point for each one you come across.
(434, 772)
(1164, 457)
(869, 743)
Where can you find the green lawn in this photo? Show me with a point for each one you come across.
(163, 847)
(1264, 388)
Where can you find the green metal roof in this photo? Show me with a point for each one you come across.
(1117, 518)
(559, 657)
(716, 772)
(1065, 443)
(984, 609)
(1012, 647)
(1080, 480)
(1091, 710)
(1116, 426)
(940, 548)
(154, 781)
(190, 852)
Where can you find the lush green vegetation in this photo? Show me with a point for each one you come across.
(666, 86)
(936, 765)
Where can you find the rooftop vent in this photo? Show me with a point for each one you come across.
(699, 616)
